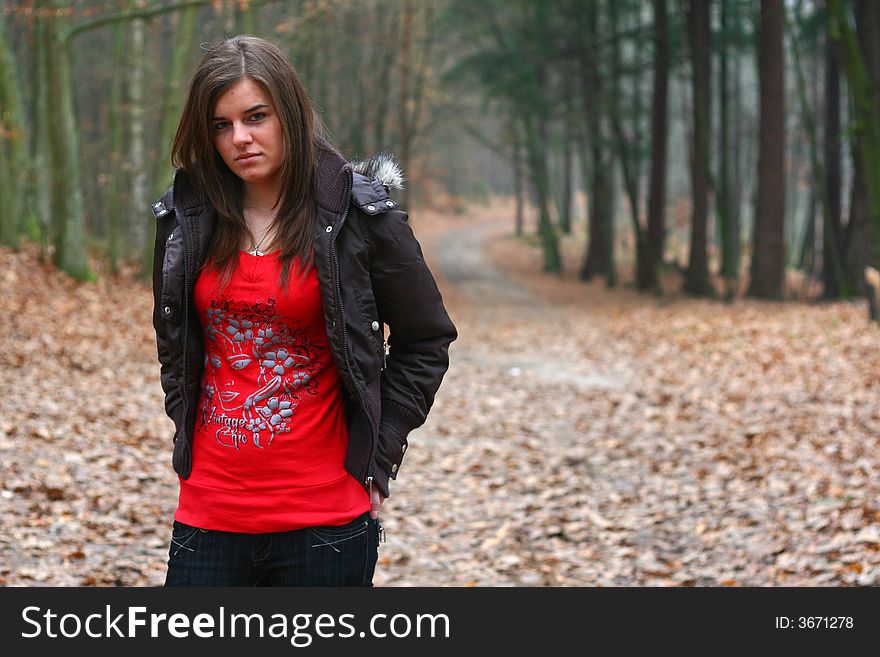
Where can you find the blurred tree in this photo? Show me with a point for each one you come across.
(796, 26)
(518, 186)
(729, 43)
(116, 149)
(13, 140)
(699, 31)
(860, 54)
(627, 135)
(768, 253)
(174, 87)
(139, 243)
(569, 139)
(404, 99)
(67, 210)
(597, 156)
(832, 272)
(648, 269)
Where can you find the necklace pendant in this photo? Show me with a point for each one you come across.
(256, 252)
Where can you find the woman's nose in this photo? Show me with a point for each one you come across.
(241, 134)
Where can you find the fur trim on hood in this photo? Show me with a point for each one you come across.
(381, 167)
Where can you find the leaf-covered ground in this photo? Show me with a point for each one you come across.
(582, 436)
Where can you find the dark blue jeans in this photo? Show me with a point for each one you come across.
(316, 556)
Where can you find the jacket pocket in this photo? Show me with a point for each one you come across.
(372, 321)
(172, 277)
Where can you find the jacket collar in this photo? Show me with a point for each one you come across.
(334, 178)
(337, 181)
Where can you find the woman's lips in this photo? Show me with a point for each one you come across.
(245, 159)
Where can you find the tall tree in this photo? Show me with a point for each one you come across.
(860, 55)
(519, 193)
(406, 101)
(659, 127)
(597, 159)
(768, 253)
(699, 30)
(175, 77)
(12, 144)
(817, 174)
(626, 141)
(115, 155)
(566, 187)
(832, 229)
(137, 148)
(729, 229)
(68, 213)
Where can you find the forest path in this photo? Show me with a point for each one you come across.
(586, 436)
(486, 295)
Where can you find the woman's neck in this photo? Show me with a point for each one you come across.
(260, 197)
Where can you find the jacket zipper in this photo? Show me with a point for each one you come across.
(334, 257)
(186, 443)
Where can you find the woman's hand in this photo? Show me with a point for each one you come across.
(376, 501)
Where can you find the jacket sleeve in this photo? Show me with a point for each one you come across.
(173, 399)
(421, 331)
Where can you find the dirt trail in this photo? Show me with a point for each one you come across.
(592, 437)
(488, 296)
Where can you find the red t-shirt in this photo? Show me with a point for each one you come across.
(271, 433)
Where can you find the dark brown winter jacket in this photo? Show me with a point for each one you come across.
(370, 271)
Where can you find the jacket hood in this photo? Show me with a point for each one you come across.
(381, 167)
(381, 170)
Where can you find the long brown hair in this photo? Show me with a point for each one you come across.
(224, 64)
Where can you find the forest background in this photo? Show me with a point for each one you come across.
(679, 149)
(735, 141)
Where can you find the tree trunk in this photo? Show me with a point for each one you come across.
(68, 216)
(117, 171)
(405, 98)
(861, 62)
(172, 96)
(729, 264)
(245, 19)
(736, 192)
(625, 145)
(384, 77)
(806, 253)
(697, 275)
(426, 40)
(863, 246)
(566, 187)
(659, 128)
(816, 167)
(12, 143)
(832, 227)
(40, 138)
(768, 256)
(518, 190)
(137, 155)
(599, 257)
(537, 158)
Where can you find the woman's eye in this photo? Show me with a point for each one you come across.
(258, 116)
(220, 125)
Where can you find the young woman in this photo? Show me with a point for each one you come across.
(277, 265)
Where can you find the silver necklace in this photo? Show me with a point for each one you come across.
(256, 250)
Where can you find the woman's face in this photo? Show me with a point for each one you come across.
(247, 132)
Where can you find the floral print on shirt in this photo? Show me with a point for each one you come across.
(264, 352)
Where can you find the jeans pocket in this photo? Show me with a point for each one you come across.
(334, 536)
(183, 537)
